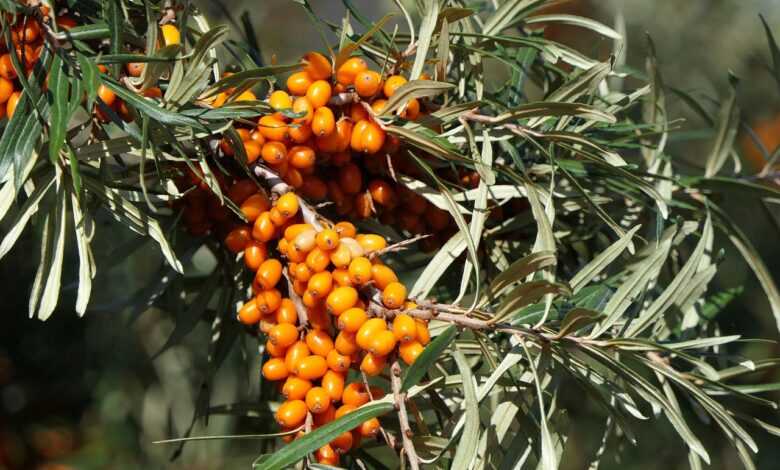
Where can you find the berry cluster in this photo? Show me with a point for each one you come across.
(333, 318)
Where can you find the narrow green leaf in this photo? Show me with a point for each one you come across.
(427, 27)
(466, 448)
(414, 89)
(428, 358)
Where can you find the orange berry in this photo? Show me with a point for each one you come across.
(324, 122)
(255, 253)
(249, 314)
(337, 361)
(301, 272)
(371, 242)
(317, 260)
(343, 442)
(321, 419)
(269, 273)
(404, 327)
(317, 65)
(272, 128)
(135, 69)
(280, 100)
(382, 193)
(349, 69)
(306, 241)
(294, 178)
(320, 285)
(312, 367)
(298, 83)
(106, 95)
(273, 152)
(355, 394)
(341, 299)
(368, 330)
(423, 335)
(269, 301)
(351, 178)
(302, 105)
(317, 400)
(327, 456)
(394, 295)
(378, 106)
(294, 230)
(7, 70)
(283, 334)
(241, 190)
(346, 343)
(352, 319)
(287, 313)
(340, 159)
(255, 205)
(357, 112)
(338, 140)
(346, 229)
(319, 318)
(392, 84)
(299, 133)
(309, 300)
(237, 240)
(246, 96)
(333, 383)
(367, 83)
(369, 428)
(412, 110)
(314, 188)
(409, 351)
(295, 388)
(344, 409)
(291, 413)
(302, 156)
(272, 349)
(360, 270)
(373, 139)
(319, 93)
(341, 276)
(319, 342)
(372, 364)
(382, 276)
(263, 228)
(274, 369)
(327, 239)
(170, 34)
(341, 257)
(383, 343)
(287, 204)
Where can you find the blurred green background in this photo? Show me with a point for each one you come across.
(86, 394)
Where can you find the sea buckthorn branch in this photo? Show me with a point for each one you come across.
(400, 246)
(279, 187)
(399, 398)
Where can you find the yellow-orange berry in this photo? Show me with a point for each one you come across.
(299, 82)
(324, 122)
(268, 301)
(312, 367)
(368, 330)
(295, 388)
(349, 69)
(317, 65)
(346, 229)
(273, 152)
(423, 335)
(336, 141)
(274, 369)
(288, 204)
(272, 349)
(352, 319)
(319, 342)
(367, 83)
(382, 343)
(333, 383)
(317, 260)
(394, 295)
(301, 272)
(337, 361)
(355, 394)
(392, 84)
(302, 157)
(404, 327)
(171, 34)
(320, 285)
(409, 351)
(291, 413)
(360, 270)
(283, 334)
(327, 239)
(343, 442)
(341, 257)
(382, 276)
(319, 93)
(272, 128)
(344, 409)
(279, 100)
(341, 299)
(255, 253)
(237, 240)
(249, 314)
(269, 273)
(255, 205)
(327, 456)
(346, 343)
(371, 242)
(263, 228)
(295, 353)
(372, 364)
(317, 400)
(369, 428)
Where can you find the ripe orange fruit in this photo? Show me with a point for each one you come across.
(321, 419)
(273, 153)
(423, 335)
(341, 276)
(317, 400)
(135, 69)
(255, 253)
(338, 140)
(343, 442)
(302, 156)
(274, 369)
(7, 70)
(367, 83)
(372, 364)
(249, 314)
(344, 409)
(371, 242)
(263, 228)
(369, 428)
(279, 100)
(409, 351)
(412, 110)
(317, 260)
(283, 334)
(327, 456)
(404, 327)
(104, 93)
(312, 367)
(299, 82)
(269, 273)
(237, 240)
(291, 413)
(368, 330)
(382, 193)
(333, 383)
(269, 301)
(255, 205)
(394, 295)
(383, 343)
(324, 122)
(320, 285)
(349, 69)
(341, 299)
(287, 204)
(346, 229)
(319, 93)
(360, 270)
(171, 35)
(392, 84)
(272, 128)
(327, 239)
(317, 65)
(352, 319)
(346, 343)
(319, 342)
(355, 394)
(295, 388)
(382, 276)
